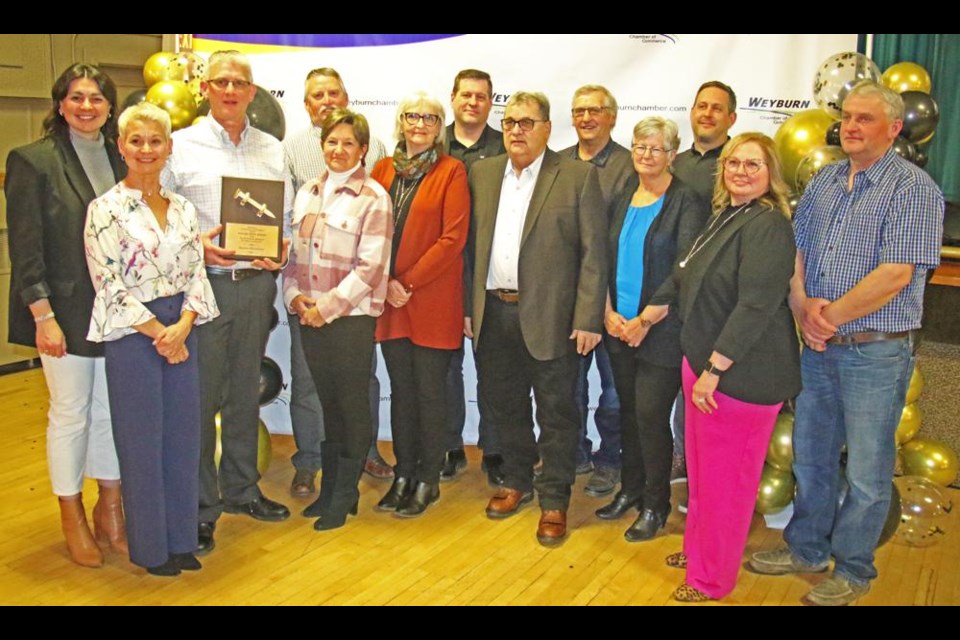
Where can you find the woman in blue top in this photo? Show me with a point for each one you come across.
(656, 217)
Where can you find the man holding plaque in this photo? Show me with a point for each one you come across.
(224, 165)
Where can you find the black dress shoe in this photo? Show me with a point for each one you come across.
(205, 543)
(646, 526)
(186, 561)
(168, 569)
(622, 503)
(417, 502)
(493, 465)
(260, 509)
(454, 462)
(399, 490)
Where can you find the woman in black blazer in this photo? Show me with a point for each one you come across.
(741, 359)
(48, 186)
(656, 217)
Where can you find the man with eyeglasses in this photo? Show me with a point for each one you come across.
(867, 230)
(538, 233)
(231, 346)
(594, 112)
(713, 113)
(469, 138)
(323, 93)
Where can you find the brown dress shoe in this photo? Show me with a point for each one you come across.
(506, 502)
(83, 548)
(378, 469)
(304, 483)
(108, 522)
(552, 528)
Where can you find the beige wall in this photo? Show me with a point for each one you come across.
(29, 63)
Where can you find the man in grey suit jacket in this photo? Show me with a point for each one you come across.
(537, 241)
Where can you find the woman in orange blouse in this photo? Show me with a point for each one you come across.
(422, 324)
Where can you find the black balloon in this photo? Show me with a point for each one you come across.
(920, 115)
(135, 98)
(921, 158)
(905, 149)
(265, 114)
(833, 135)
(271, 381)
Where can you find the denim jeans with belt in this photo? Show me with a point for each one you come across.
(853, 395)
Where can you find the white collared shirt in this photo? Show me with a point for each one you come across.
(515, 195)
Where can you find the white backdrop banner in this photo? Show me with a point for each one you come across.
(650, 74)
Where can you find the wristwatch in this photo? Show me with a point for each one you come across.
(712, 368)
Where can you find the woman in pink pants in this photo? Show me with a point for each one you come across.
(740, 357)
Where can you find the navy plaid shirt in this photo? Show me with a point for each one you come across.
(894, 214)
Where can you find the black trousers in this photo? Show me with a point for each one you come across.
(231, 348)
(418, 407)
(338, 355)
(506, 375)
(647, 392)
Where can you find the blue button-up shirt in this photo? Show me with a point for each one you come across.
(893, 214)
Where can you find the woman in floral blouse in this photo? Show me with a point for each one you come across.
(146, 262)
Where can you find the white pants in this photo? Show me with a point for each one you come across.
(79, 434)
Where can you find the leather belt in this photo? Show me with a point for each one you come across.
(234, 274)
(510, 296)
(862, 337)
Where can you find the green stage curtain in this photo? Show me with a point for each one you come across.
(939, 54)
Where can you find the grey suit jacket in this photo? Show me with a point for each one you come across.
(563, 265)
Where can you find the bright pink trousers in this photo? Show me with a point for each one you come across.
(725, 452)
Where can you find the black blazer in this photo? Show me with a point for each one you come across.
(673, 230)
(47, 196)
(732, 298)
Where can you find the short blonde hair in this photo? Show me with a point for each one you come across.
(413, 100)
(230, 56)
(144, 112)
(655, 125)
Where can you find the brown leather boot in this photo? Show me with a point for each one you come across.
(108, 519)
(83, 548)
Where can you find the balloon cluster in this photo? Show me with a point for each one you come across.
(173, 82)
(810, 140)
(264, 445)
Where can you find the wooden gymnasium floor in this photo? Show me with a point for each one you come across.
(452, 555)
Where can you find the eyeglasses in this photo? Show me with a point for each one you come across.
(223, 83)
(750, 166)
(526, 124)
(655, 152)
(428, 118)
(579, 112)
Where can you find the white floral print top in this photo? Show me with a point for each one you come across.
(133, 261)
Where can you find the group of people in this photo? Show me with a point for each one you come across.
(680, 271)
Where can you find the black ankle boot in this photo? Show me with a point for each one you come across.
(399, 490)
(646, 525)
(329, 459)
(417, 502)
(345, 496)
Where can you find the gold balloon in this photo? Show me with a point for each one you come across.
(155, 68)
(176, 100)
(910, 421)
(780, 451)
(264, 446)
(185, 67)
(776, 490)
(907, 76)
(814, 161)
(799, 135)
(916, 386)
(931, 459)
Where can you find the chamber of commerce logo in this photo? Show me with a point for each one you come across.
(776, 109)
(655, 38)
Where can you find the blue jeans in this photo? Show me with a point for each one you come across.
(607, 415)
(851, 395)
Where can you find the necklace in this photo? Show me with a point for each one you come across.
(404, 191)
(698, 245)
